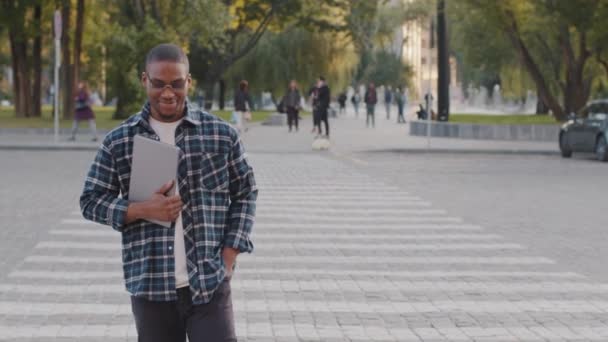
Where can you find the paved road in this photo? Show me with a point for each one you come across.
(350, 246)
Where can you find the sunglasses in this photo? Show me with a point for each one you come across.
(175, 85)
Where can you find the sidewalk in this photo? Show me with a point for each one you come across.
(348, 135)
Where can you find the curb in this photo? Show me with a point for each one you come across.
(464, 151)
(94, 147)
(47, 147)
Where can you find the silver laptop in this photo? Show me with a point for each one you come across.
(154, 164)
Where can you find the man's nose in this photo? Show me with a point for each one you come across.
(167, 92)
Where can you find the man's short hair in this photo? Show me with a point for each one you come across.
(167, 53)
(322, 78)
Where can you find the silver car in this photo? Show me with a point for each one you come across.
(586, 131)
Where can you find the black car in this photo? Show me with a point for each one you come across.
(586, 131)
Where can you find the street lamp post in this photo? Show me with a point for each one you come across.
(57, 25)
(443, 65)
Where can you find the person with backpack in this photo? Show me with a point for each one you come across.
(371, 99)
(83, 112)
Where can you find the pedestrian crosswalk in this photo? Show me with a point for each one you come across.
(339, 256)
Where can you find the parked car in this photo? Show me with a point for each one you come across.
(586, 131)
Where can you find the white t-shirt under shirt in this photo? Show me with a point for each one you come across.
(166, 133)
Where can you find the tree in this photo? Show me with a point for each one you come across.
(289, 55)
(250, 20)
(138, 26)
(565, 35)
(371, 26)
(14, 17)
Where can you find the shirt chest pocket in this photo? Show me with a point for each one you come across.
(210, 171)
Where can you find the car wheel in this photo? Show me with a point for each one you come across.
(564, 146)
(601, 149)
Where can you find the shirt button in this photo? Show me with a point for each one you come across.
(170, 248)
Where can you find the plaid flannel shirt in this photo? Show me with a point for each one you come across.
(216, 185)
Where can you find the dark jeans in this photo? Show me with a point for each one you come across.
(172, 321)
(321, 116)
(370, 115)
(400, 118)
(292, 117)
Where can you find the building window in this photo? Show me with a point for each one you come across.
(423, 61)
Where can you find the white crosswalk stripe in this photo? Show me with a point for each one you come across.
(324, 331)
(334, 260)
(309, 246)
(279, 236)
(353, 286)
(289, 272)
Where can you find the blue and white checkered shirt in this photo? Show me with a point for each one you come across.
(216, 185)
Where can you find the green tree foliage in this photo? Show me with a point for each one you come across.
(371, 27)
(388, 69)
(249, 21)
(296, 54)
(138, 26)
(560, 44)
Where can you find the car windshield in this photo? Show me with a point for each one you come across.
(598, 116)
(597, 111)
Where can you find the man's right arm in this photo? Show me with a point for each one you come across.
(100, 200)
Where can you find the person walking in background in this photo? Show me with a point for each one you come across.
(83, 111)
(355, 100)
(370, 98)
(342, 102)
(178, 278)
(242, 106)
(324, 96)
(401, 100)
(313, 94)
(291, 101)
(388, 100)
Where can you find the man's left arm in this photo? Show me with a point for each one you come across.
(241, 214)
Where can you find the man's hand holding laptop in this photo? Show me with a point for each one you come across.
(160, 206)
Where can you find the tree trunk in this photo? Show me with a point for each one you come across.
(37, 64)
(222, 94)
(78, 39)
(527, 60)
(66, 64)
(209, 95)
(576, 89)
(541, 107)
(21, 77)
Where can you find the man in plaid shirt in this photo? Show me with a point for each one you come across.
(178, 277)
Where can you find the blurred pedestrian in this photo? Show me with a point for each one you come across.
(291, 103)
(324, 96)
(342, 102)
(388, 100)
(371, 98)
(401, 99)
(355, 100)
(243, 106)
(83, 111)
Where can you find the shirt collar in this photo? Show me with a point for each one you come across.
(143, 118)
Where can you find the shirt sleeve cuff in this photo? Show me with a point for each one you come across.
(117, 213)
(243, 245)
